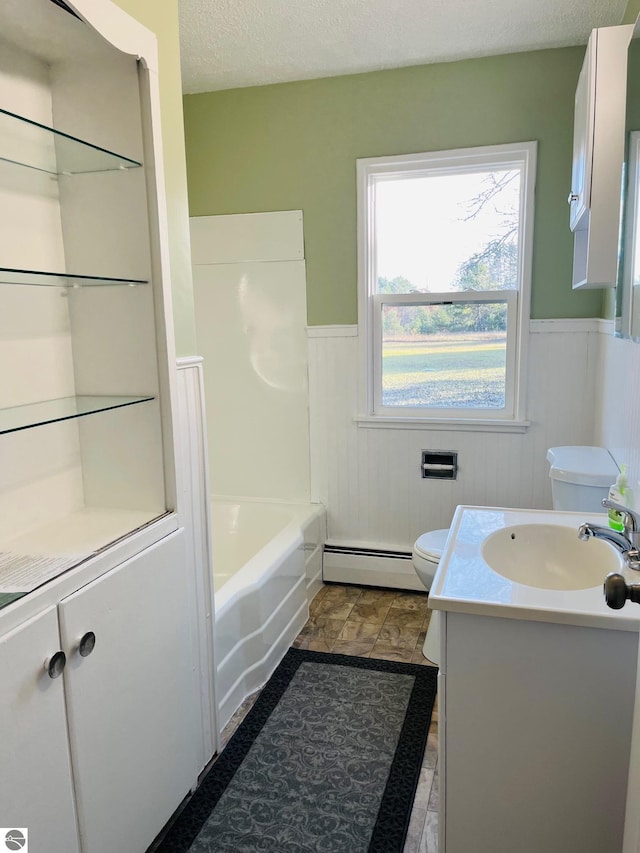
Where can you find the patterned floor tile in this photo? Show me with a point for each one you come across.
(332, 608)
(373, 596)
(322, 627)
(398, 636)
(407, 618)
(411, 601)
(359, 631)
(345, 593)
(360, 648)
(374, 612)
(429, 840)
(385, 652)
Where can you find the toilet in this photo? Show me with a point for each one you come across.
(580, 479)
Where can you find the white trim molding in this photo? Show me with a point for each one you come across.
(336, 331)
(571, 326)
(195, 514)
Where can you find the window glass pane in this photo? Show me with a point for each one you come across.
(444, 356)
(443, 232)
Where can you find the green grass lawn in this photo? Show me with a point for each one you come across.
(459, 372)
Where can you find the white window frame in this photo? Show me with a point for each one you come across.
(371, 170)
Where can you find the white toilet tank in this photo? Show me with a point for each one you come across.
(580, 477)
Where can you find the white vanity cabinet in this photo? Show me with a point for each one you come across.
(535, 735)
(114, 738)
(598, 156)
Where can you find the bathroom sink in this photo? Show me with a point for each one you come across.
(549, 556)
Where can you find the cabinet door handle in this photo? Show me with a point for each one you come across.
(617, 591)
(55, 664)
(87, 644)
(572, 197)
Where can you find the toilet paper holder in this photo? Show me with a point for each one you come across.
(439, 465)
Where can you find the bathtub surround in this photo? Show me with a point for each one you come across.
(250, 295)
(380, 716)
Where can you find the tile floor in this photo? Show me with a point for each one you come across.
(383, 624)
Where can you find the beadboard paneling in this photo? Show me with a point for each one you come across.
(618, 404)
(370, 478)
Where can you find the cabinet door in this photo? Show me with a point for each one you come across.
(36, 790)
(580, 197)
(132, 702)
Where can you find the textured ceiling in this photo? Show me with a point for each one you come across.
(231, 43)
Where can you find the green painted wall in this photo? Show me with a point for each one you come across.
(294, 145)
(161, 16)
(632, 12)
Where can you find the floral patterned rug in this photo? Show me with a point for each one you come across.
(326, 761)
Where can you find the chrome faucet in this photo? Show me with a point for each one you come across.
(631, 521)
(627, 543)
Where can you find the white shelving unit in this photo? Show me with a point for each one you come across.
(82, 296)
(90, 539)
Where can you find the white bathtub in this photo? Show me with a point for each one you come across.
(267, 566)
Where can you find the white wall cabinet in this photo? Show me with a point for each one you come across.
(598, 156)
(126, 713)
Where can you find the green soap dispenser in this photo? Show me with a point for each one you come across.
(617, 493)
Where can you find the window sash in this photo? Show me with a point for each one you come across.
(504, 297)
(520, 156)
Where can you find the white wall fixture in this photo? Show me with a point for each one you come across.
(250, 296)
(598, 157)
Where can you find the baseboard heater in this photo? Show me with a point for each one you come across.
(358, 564)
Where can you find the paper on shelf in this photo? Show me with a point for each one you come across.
(25, 572)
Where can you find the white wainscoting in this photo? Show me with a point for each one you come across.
(194, 511)
(369, 479)
(618, 404)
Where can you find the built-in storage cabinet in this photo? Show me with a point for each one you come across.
(93, 562)
(535, 733)
(86, 451)
(36, 787)
(598, 155)
(113, 738)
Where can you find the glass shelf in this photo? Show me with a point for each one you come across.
(36, 146)
(62, 279)
(63, 409)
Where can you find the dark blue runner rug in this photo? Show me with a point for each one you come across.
(326, 761)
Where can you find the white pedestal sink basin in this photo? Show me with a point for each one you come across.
(549, 556)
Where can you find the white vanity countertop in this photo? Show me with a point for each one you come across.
(464, 583)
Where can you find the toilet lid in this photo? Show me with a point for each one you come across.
(431, 544)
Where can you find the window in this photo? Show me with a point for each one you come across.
(444, 267)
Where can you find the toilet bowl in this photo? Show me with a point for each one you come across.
(580, 477)
(427, 551)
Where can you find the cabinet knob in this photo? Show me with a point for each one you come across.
(55, 664)
(87, 644)
(617, 591)
(572, 197)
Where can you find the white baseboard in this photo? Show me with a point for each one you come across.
(371, 570)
